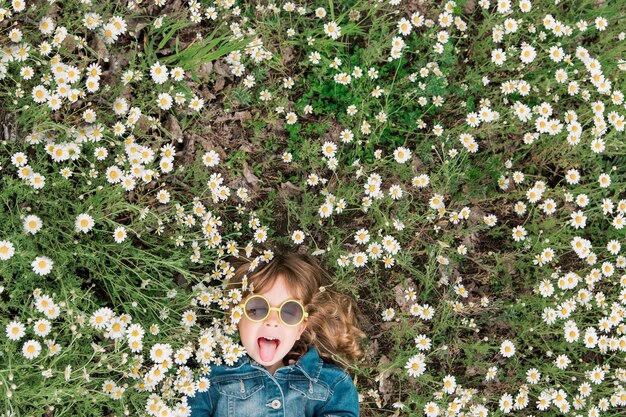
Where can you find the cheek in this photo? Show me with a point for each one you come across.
(244, 324)
(245, 328)
(296, 333)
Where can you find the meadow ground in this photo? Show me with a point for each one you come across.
(458, 166)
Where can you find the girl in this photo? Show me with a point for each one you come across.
(296, 333)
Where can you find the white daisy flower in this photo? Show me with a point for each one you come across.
(15, 330)
(116, 328)
(297, 237)
(359, 259)
(210, 159)
(196, 103)
(7, 250)
(160, 352)
(189, 318)
(163, 196)
(31, 349)
(42, 327)
(507, 349)
(362, 236)
(332, 30)
(498, 56)
(159, 73)
(84, 223)
(416, 365)
(177, 73)
(164, 101)
(329, 149)
(42, 265)
(19, 159)
(119, 234)
(388, 314)
(402, 154)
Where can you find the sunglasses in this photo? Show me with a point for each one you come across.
(291, 312)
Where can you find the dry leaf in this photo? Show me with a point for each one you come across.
(250, 177)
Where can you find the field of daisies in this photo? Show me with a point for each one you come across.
(459, 167)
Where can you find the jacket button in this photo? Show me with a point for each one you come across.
(275, 404)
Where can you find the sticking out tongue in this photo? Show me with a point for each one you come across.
(267, 348)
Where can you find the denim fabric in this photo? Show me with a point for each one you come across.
(307, 388)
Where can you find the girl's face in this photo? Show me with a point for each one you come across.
(270, 354)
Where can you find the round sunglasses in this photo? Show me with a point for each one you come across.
(291, 312)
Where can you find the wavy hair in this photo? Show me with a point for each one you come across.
(333, 317)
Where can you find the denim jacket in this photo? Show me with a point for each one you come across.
(307, 388)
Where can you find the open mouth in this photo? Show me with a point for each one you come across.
(268, 347)
(269, 340)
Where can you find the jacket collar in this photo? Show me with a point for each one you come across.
(310, 364)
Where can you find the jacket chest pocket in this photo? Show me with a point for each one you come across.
(241, 388)
(311, 390)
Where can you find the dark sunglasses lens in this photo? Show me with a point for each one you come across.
(257, 308)
(291, 313)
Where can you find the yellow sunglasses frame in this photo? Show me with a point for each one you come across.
(269, 311)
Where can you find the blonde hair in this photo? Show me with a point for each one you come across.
(332, 324)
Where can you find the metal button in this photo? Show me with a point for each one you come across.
(275, 404)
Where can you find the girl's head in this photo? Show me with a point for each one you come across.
(328, 322)
(255, 327)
